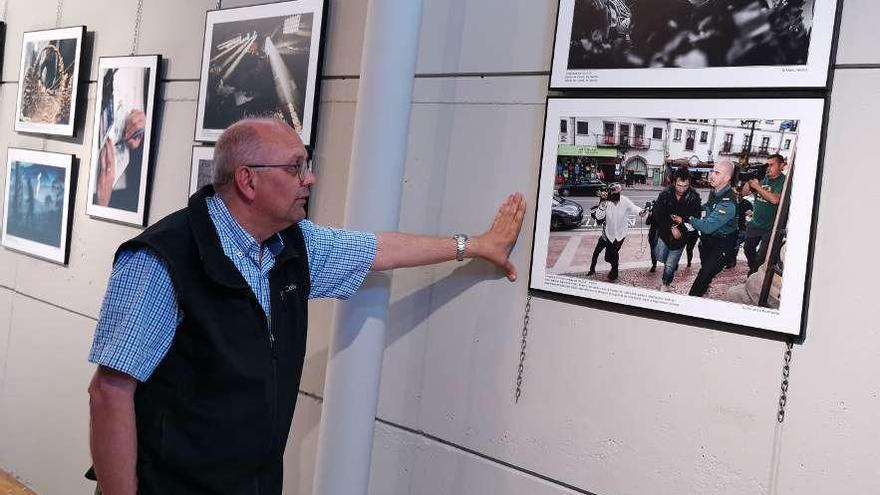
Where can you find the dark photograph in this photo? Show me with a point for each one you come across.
(258, 68)
(615, 34)
(36, 202)
(202, 171)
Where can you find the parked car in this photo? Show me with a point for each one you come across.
(565, 214)
(590, 187)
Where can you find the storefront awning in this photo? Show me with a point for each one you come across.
(591, 151)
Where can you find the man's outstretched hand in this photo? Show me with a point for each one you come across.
(495, 244)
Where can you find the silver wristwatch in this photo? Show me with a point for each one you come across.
(460, 244)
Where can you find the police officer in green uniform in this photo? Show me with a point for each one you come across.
(718, 227)
(767, 195)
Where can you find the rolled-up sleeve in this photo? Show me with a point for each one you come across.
(339, 259)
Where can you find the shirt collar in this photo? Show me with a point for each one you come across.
(234, 233)
(723, 191)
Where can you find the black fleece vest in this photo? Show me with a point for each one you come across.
(215, 414)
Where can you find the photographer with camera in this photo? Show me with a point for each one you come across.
(768, 192)
(682, 201)
(718, 227)
(613, 213)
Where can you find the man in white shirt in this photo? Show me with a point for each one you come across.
(613, 213)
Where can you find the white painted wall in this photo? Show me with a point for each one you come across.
(613, 404)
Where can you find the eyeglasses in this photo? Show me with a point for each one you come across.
(299, 170)
(138, 134)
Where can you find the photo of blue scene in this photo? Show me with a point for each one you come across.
(36, 203)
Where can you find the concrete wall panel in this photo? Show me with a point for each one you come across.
(44, 405)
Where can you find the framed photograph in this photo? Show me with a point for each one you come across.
(261, 61)
(48, 81)
(693, 44)
(681, 206)
(36, 214)
(202, 171)
(122, 138)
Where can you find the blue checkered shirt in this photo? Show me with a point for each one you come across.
(140, 313)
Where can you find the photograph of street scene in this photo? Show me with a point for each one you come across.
(686, 210)
(689, 33)
(257, 68)
(619, 186)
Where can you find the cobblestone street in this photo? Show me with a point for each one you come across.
(569, 253)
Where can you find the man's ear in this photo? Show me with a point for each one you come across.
(245, 182)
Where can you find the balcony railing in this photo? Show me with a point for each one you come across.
(606, 140)
(727, 150)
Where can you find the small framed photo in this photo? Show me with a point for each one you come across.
(48, 81)
(262, 61)
(202, 172)
(122, 138)
(703, 208)
(36, 217)
(693, 44)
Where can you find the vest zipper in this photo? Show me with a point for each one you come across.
(274, 384)
(274, 431)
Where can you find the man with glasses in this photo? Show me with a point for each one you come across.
(201, 338)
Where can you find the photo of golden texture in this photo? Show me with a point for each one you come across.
(48, 88)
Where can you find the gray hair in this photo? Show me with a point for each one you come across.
(240, 143)
(726, 163)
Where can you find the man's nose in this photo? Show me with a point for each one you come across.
(310, 178)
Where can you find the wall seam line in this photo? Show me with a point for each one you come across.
(447, 443)
(58, 306)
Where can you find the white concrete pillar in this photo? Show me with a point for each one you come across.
(357, 346)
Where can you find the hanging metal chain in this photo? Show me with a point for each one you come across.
(58, 13)
(522, 350)
(136, 38)
(218, 4)
(783, 395)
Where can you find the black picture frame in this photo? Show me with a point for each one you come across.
(48, 84)
(38, 203)
(601, 44)
(123, 139)
(275, 83)
(202, 167)
(571, 282)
